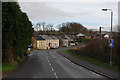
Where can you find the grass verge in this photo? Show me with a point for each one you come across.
(6, 67)
(98, 63)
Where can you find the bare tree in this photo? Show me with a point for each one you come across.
(43, 25)
(38, 26)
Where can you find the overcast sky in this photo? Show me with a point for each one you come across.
(89, 12)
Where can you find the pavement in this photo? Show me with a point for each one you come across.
(50, 65)
(97, 69)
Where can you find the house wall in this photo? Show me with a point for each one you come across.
(34, 42)
(49, 43)
(41, 44)
(45, 44)
(64, 42)
(52, 43)
(55, 43)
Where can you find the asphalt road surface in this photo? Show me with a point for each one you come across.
(49, 64)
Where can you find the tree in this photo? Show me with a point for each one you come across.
(16, 30)
(72, 28)
(38, 26)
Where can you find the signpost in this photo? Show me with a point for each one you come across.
(110, 45)
(110, 42)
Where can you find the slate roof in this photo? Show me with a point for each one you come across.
(54, 37)
(39, 38)
(46, 37)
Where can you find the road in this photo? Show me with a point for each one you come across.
(49, 64)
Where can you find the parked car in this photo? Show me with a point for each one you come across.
(72, 43)
(54, 47)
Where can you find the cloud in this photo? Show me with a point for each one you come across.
(86, 13)
(105, 27)
(119, 13)
(67, 0)
(42, 11)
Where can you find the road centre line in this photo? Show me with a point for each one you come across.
(51, 67)
(48, 61)
(55, 75)
(47, 58)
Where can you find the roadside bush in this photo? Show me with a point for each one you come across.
(98, 50)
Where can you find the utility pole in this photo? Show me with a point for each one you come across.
(101, 32)
(73, 34)
(101, 38)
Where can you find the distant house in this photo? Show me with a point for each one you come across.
(106, 36)
(51, 41)
(39, 43)
(45, 42)
(80, 35)
(55, 43)
(68, 38)
(63, 41)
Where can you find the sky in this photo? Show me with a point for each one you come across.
(119, 13)
(88, 13)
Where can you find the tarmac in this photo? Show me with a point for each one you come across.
(115, 75)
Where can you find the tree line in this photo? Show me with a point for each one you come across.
(68, 28)
(16, 32)
(72, 28)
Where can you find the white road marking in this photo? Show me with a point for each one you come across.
(67, 60)
(94, 73)
(55, 75)
(51, 67)
(70, 61)
(46, 56)
(73, 63)
(48, 61)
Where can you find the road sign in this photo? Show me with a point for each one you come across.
(110, 42)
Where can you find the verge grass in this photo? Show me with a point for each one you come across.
(6, 67)
(96, 62)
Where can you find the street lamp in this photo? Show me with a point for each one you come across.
(111, 33)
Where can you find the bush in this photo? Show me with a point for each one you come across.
(98, 50)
